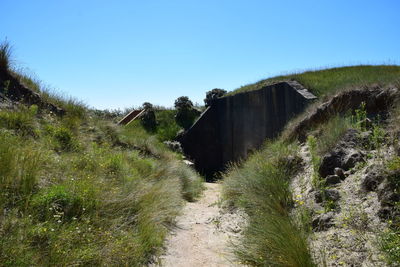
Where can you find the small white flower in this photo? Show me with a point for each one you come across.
(52, 229)
(59, 221)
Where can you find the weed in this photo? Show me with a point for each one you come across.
(360, 118)
(390, 245)
(316, 180)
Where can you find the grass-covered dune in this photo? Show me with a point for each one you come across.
(79, 190)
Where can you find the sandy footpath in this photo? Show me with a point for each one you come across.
(204, 233)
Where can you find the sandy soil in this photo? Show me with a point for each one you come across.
(204, 233)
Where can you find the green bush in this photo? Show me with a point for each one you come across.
(63, 203)
(186, 113)
(212, 95)
(148, 118)
(65, 139)
(167, 127)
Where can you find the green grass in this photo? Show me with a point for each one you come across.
(261, 187)
(21, 121)
(329, 81)
(79, 190)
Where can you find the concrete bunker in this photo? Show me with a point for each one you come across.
(233, 126)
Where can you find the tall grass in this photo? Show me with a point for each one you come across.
(261, 187)
(5, 56)
(20, 120)
(19, 168)
(104, 204)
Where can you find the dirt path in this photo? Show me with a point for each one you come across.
(203, 233)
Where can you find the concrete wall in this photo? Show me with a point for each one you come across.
(235, 125)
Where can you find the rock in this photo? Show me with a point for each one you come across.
(340, 158)
(323, 222)
(332, 179)
(389, 198)
(350, 139)
(351, 158)
(339, 172)
(345, 155)
(385, 213)
(372, 179)
(330, 161)
(174, 146)
(365, 138)
(328, 194)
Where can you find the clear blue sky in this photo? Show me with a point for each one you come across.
(118, 53)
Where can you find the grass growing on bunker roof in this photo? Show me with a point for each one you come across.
(329, 81)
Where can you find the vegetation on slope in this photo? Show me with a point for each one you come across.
(275, 236)
(79, 190)
(329, 81)
(261, 187)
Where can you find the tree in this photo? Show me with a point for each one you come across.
(186, 113)
(148, 118)
(212, 95)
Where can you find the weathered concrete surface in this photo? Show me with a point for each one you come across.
(235, 125)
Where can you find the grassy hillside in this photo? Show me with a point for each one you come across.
(79, 190)
(280, 224)
(328, 81)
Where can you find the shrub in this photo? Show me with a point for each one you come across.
(65, 139)
(148, 118)
(64, 203)
(186, 112)
(167, 127)
(212, 95)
